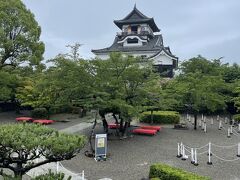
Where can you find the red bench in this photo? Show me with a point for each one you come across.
(144, 131)
(158, 128)
(43, 121)
(24, 119)
(113, 126)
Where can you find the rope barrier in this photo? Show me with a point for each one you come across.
(224, 146)
(203, 152)
(227, 160)
(73, 173)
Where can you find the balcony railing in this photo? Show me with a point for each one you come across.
(142, 33)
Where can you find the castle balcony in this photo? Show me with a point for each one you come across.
(141, 33)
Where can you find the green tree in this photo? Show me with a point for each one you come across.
(19, 35)
(22, 144)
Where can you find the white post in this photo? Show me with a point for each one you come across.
(233, 122)
(231, 129)
(239, 127)
(193, 120)
(212, 120)
(220, 125)
(200, 123)
(83, 178)
(225, 120)
(238, 150)
(195, 158)
(205, 127)
(204, 119)
(209, 154)
(179, 150)
(192, 156)
(183, 154)
(218, 117)
(188, 117)
(57, 167)
(228, 133)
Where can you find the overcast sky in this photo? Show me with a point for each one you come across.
(207, 27)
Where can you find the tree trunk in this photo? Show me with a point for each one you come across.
(151, 116)
(18, 173)
(195, 121)
(117, 123)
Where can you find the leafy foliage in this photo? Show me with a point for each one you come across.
(51, 176)
(163, 171)
(19, 35)
(162, 117)
(24, 143)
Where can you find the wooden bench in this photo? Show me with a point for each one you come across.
(24, 119)
(113, 126)
(144, 131)
(43, 121)
(158, 128)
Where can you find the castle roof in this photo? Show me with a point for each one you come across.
(136, 17)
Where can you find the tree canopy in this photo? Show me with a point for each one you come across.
(22, 144)
(19, 35)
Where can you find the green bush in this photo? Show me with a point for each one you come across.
(60, 109)
(166, 172)
(236, 117)
(162, 117)
(51, 176)
(39, 113)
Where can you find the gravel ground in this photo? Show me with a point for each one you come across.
(131, 158)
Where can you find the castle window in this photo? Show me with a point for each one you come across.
(134, 29)
(132, 41)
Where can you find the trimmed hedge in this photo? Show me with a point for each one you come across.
(52, 176)
(39, 113)
(161, 117)
(236, 117)
(166, 172)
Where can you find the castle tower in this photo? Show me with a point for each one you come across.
(140, 36)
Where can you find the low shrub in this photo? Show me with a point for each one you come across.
(60, 109)
(166, 172)
(236, 117)
(39, 113)
(162, 117)
(51, 176)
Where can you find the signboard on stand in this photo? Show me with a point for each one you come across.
(101, 147)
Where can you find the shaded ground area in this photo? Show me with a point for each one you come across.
(131, 158)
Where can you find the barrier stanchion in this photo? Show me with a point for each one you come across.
(205, 127)
(57, 167)
(202, 127)
(192, 120)
(179, 151)
(209, 154)
(183, 154)
(228, 133)
(220, 125)
(195, 158)
(217, 117)
(231, 129)
(212, 121)
(200, 123)
(238, 150)
(204, 119)
(239, 127)
(226, 120)
(233, 122)
(83, 175)
(192, 156)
